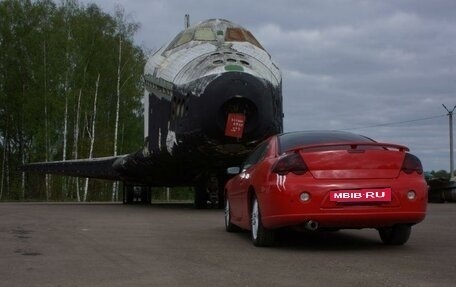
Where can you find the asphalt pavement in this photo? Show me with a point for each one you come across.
(160, 245)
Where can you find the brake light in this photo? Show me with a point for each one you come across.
(411, 164)
(292, 162)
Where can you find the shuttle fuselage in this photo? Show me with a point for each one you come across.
(211, 94)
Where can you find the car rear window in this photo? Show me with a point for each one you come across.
(288, 141)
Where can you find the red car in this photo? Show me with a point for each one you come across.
(326, 180)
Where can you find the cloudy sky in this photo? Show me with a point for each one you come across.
(378, 68)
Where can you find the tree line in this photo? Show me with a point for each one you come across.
(70, 88)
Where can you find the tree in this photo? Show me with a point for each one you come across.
(91, 133)
(51, 54)
(125, 30)
(441, 174)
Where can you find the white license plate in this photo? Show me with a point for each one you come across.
(361, 195)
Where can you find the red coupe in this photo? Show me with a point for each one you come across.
(326, 180)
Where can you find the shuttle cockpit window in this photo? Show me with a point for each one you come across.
(241, 35)
(200, 34)
(180, 39)
(186, 37)
(204, 34)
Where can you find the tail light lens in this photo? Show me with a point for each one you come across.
(292, 162)
(411, 164)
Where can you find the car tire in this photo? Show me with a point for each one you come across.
(261, 236)
(396, 235)
(229, 227)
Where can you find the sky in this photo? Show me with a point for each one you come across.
(378, 68)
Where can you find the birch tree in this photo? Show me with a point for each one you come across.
(4, 161)
(115, 186)
(76, 139)
(125, 29)
(91, 132)
(46, 117)
(68, 10)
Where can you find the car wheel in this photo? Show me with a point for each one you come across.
(229, 227)
(396, 235)
(260, 235)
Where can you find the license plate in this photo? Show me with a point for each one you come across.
(361, 195)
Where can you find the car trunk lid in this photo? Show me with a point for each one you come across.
(354, 161)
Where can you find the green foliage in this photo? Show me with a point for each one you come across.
(175, 194)
(51, 53)
(441, 174)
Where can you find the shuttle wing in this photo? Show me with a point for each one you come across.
(100, 168)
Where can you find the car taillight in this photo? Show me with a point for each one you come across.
(411, 164)
(292, 162)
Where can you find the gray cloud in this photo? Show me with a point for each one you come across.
(345, 64)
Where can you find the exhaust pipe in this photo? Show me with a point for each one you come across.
(311, 225)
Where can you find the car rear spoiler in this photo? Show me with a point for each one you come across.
(353, 146)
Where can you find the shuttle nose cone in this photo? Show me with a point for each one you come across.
(239, 106)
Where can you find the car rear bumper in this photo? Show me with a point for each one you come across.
(345, 219)
(282, 206)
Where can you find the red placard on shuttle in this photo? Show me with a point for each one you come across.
(235, 125)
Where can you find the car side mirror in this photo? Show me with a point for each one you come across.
(233, 170)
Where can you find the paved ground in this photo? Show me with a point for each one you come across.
(117, 245)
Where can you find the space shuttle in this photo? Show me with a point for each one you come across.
(211, 95)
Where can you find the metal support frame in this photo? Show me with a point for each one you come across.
(450, 116)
